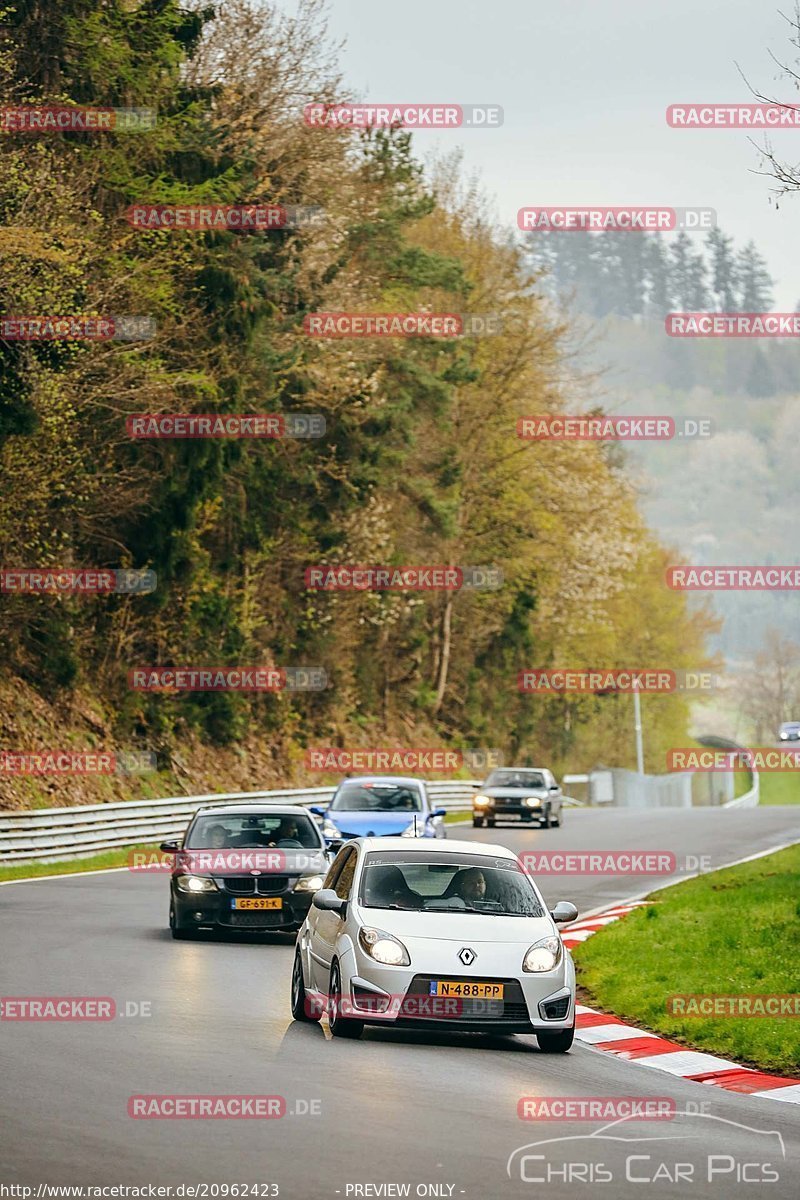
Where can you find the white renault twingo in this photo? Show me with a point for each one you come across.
(437, 934)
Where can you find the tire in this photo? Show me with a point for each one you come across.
(555, 822)
(477, 822)
(302, 1008)
(556, 1043)
(545, 821)
(179, 933)
(490, 822)
(340, 1027)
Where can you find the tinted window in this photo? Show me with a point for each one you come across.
(227, 831)
(345, 881)
(521, 779)
(474, 884)
(377, 797)
(335, 868)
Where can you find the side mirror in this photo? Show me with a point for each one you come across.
(439, 812)
(315, 808)
(328, 901)
(476, 785)
(170, 847)
(563, 912)
(554, 787)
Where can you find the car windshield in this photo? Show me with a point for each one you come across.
(472, 883)
(377, 797)
(243, 831)
(520, 779)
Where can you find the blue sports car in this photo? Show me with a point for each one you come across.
(380, 806)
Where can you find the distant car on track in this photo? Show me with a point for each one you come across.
(789, 731)
(380, 806)
(523, 793)
(432, 935)
(245, 866)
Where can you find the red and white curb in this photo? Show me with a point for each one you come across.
(604, 1032)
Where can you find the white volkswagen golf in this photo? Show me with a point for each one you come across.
(437, 934)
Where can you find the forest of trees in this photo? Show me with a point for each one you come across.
(419, 464)
(650, 274)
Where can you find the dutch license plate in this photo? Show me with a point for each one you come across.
(473, 991)
(261, 902)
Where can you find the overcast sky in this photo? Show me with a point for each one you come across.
(584, 85)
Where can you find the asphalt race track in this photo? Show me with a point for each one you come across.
(394, 1108)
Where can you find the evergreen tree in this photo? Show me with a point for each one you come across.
(724, 270)
(755, 281)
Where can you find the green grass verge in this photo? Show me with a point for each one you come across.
(731, 932)
(779, 787)
(96, 862)
(454, 817)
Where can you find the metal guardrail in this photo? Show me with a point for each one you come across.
(55, 834)
(752, 797)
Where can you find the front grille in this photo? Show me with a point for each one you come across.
(253, 885)
(555, 1010)
(260, 918)
(511, 1009)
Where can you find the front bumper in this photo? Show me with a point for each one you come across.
(500, 809)
(400, 996)
(198, 909)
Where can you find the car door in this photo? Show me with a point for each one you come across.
(324, 926)
(435, 824)
(555, 796)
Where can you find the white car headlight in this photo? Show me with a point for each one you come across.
(196, 883)
(329, 829)
(383, 947)
(480, 801)
(532, 802)
(309, 883)
(544, 955)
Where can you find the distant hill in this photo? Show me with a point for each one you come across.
(731, 498)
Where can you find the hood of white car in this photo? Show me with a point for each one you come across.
(458, 927)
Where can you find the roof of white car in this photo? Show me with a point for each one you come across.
(436, 846)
